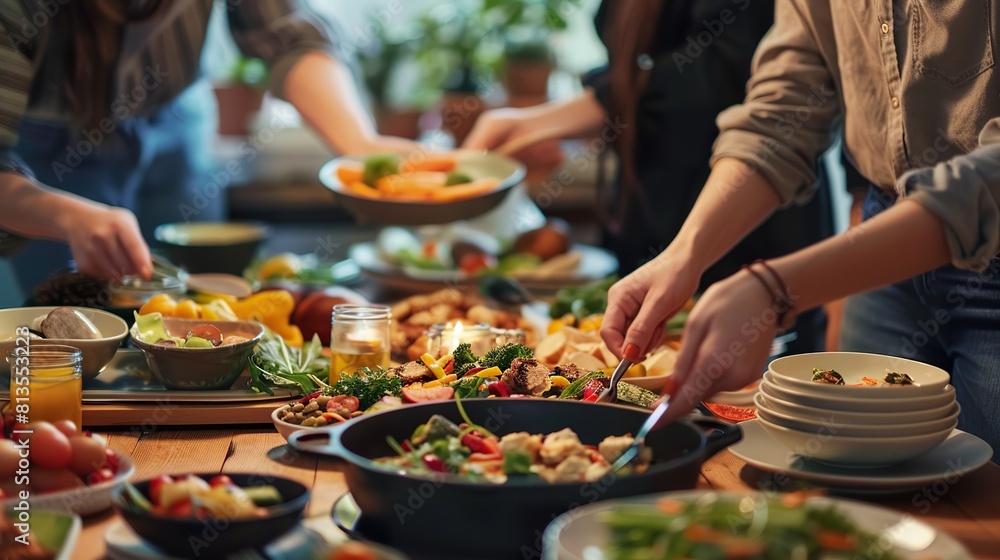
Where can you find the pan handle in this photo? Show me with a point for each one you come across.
(322, 441)
(722, 436)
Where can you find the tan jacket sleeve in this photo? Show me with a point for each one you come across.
(785, 123)
(964, 193)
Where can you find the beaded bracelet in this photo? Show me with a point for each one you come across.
(783, 302)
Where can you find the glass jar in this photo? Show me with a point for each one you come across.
(48, 379)
(444, 338)
(359, 337)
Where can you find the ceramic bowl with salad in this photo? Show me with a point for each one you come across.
(194, 354)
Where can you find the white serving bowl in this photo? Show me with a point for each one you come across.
(95, 353)
(777, 404)
(286, 429)
(867, 452)
(82, 501)
(834, 421)
(850, 403)
(795, 372)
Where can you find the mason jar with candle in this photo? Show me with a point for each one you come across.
(444, 338)
(359, 338)
(48, 378)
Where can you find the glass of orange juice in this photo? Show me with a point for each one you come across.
(359, 338)
(48, 379)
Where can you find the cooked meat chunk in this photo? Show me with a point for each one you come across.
(827, 376)
(595, 471)
(521, 442)
(894, 378)
(613, 446)
(559, 445)
(527, 377)
(411, 372)
(572, 372)
(571, 469)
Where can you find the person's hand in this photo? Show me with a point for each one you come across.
(497, 126)
(641, 303)
(386, 144)
(727, 340)
(106, 243)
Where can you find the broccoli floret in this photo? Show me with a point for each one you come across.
(457, 178)
(502, 356)
(377, 167)
(463, 355)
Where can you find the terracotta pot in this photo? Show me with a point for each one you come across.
(398, 122)
(237, 104)
(459, 112)
(526, 78)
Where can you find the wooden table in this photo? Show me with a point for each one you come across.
(969, 509)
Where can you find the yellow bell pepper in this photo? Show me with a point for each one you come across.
(274, 309)
(440, 382)
(432, 365)
(443, 360)
(161, 303)
(559, 381)
(489, 372)
(187, 309)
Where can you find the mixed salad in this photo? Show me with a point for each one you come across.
(472, 452)
(747, 528)
(150, 329)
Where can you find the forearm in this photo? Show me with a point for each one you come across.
(572, 117)
(868, 256)
(323, 91)
(734, 201)
(36, 212)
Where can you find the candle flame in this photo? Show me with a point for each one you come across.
(458, 329)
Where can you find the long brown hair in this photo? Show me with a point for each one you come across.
(94, 30)
(630, 31)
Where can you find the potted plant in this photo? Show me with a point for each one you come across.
(241, 95)
(400, 91)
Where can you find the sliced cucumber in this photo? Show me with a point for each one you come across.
(264, 496)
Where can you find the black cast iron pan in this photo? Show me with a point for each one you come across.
(445, 517)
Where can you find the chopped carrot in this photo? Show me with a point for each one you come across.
(835, 540)
(675, 344)
(358, 188)
(666, 505)
(413, 182)
(702, 533)
(467, 190)
(350, 172)
(420, 161)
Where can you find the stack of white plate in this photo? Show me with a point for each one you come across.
(853, 424)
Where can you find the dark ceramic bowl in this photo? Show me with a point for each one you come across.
(212, 246)
(215, 538)
(205, 369)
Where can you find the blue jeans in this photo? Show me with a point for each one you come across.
(947, 317)
(154, 165)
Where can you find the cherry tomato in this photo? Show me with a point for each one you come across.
(348, 402)
(111, 460)
(474, 263)
(353, 550)
(181, 509)
(9, 459)
(220, 480)
(208, 332)
(99, 476)
(50, 448)
(67, 427)
(156, 487)
(88, 455)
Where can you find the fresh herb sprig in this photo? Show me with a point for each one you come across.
(368, 385)
(276, 364)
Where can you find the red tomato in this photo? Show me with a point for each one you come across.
(156, 487)
(50, 448)
(220, 480)
(88, 455)
(181, 509)
(208, 332)
(348, 402)
(99, 476)
(111, 460)
(67, 427)
(9, 459)
(474, 263)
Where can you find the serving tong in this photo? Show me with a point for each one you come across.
(610, 395)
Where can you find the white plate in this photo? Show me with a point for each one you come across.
(961, 453)
(82, 501)
(580, 535)
(595, 264)
(795, 372)
(835, 402)
(813, 413)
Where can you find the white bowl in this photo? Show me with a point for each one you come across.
(777, 404)
(833, 420)
(82, 501)
(867, 452)
(842, 402)
(795, 372)
(95, 353)
(286, 429)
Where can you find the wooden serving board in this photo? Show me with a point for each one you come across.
(147, 416)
